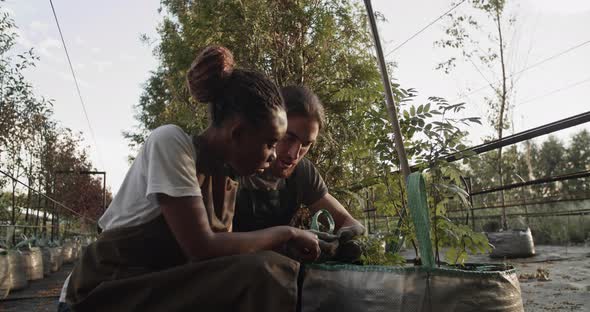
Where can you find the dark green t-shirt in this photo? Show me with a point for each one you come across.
(264, 200)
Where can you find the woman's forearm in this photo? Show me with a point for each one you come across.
(187, 219)
(225, 244)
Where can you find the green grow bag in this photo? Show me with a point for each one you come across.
(348, 288)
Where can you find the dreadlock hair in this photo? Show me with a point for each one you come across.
(229, 91)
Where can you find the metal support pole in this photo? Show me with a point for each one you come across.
(391, 109)
(522, 136)
(568, 176)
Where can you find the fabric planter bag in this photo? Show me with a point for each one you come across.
(56, 258)
(473, 287)
(512, 244)
(46, 254)
(68, 252)
(4, 273)
(33, 259)
(15, 277)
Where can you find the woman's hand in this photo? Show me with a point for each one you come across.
(303, 246)
(187, 219)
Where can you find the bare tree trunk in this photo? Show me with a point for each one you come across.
(529, 163)
(38, 208)
(501, 115)
(13, 222)
(29, 206)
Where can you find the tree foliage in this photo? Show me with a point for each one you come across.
(326, 45)
(487, 18)
(322, 44)
(33, 146)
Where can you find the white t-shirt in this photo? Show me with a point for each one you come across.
(165, 164)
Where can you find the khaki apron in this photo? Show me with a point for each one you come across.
(142, 268)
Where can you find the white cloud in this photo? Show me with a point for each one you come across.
(102, 66)
(95, 50)
(47, 46)
(124, 56)
(67, 76)
(79, 41)
(38, 27)
(22, 6)
(23, 40)
(50, 43)
(80, 66)
(565, 7)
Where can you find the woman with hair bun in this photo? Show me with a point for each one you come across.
(167, 243)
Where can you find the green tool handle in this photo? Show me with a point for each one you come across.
(315, 224)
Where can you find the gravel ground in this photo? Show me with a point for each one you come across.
(41, 295)
(560, 283)
(557, 278)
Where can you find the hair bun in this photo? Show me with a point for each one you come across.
(208, 73)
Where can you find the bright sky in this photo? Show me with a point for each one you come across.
(111, 63)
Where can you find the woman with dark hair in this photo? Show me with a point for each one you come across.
(167, 243)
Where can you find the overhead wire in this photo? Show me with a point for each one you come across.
(569, 86)
(77, 84)
(424, 28)
(543, 61)
(481, 111)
